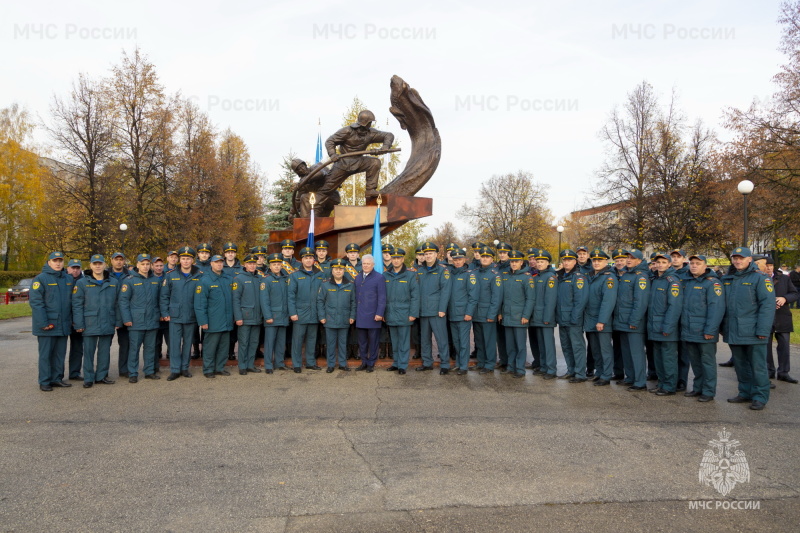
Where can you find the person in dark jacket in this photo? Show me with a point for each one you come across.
(749, 316)
(95, 314)
(75, 337)
(502, 266)
(794, 277)
(543, 319)
(370, 310)
(275, 308)
(139, 309)
(516, 309)
(461, 309)
(573, 292)
(119, 272)
(336, 309)
(176, 303)
(246, 290)
(490, 294)
(303, 288)
(51, 311)
(597, 316)
(703, 309)
(785, 296)
(213, 306)
(633, 296)
(663, 319)
(402, 309)
(434, 289)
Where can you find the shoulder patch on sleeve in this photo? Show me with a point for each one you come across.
(199, 289)
(124, 287)
(446, 273)
(36, 285)
(551, 282)
(74, 289)
(768, 282)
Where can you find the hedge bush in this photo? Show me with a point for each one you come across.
(11, 278)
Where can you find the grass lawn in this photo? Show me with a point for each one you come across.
(24, 309)
(795, 338)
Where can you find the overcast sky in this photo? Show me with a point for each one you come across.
(512, 85)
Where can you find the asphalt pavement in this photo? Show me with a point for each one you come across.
(381, 452)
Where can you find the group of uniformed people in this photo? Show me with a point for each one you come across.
(629, 321)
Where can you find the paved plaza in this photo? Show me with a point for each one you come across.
(381, 452)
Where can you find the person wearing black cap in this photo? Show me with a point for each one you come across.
(629, 319)
(75, 338)
(402, 309)
(275, 308)
(603, 287)
(260, 253)
(303, 288)
(490, 294)
(749, 315)
(176, 303)
(213, 306)
(119, 273)
(203, 256)
(336, 309)
(620, 257)
(172, 261)
(573, 291)
(95, 314)
(51, 323)
(502, 266)
(290, 264)
(785, 296)
(516, 309)
(386, 253)
(231, 267)
(323, 262)
(663, 316)
(543, 319)
(434, 288)
(139, 309)
(703, 310)
(353, 266)
(462, 306)
(246, 291)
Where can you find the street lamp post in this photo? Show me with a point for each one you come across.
(123, 228)
(560, 230)
(745, 187)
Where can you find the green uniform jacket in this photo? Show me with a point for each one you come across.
(51, 303)
(177, 295)
(138, 301)
(94, 306)
(603, 288)
(463, 294)
(213, 302)
(632, 298)
(546, 288)
(303, 290)
(703, 308)
(434, 286)
(490, 294)
(665, 307)
(402, 297)
(573, 292)
(246, 290)
(275, 300)
(336, 303)
(749, 307)
(519, 297)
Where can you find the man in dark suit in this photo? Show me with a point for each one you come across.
(370, 309)
(785, 295)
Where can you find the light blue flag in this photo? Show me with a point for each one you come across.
(376, 242)
(319, 148)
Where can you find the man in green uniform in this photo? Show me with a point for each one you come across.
(490, 295)
(663, 318)
(336, 309)
(598, 314)
(140, 312)
(303, 288)
(750, 312)
(461, 309)
(275, 308)
(703, 310)
(519, 298)
(51, 307)
(246, 292)
(402, 309)
(633, 296)
(572, 295)
(543, 319)
(213, 306)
